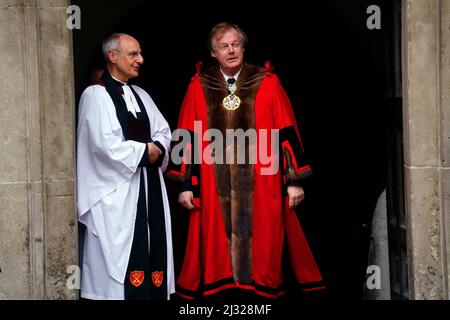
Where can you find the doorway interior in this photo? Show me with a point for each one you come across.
(334, 70)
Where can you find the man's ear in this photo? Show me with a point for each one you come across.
(112, 56)
(213, 54)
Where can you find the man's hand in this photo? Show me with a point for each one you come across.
(153, 152)
(186, 200)
(296, 195)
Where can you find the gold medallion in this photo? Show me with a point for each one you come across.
(231, 102)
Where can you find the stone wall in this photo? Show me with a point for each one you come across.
(37, 217)
(426, 113)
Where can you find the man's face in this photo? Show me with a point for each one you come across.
(127, 60)
(229, 51)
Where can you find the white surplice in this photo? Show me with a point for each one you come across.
(108, 180)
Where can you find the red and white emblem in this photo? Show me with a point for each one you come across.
(157, 278)
(136, 278)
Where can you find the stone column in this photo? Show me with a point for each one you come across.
(444, 95)
(426, 112)
(38, 217)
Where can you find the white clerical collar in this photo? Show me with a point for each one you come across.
(130, 100)
(235, 76)
(124, 83)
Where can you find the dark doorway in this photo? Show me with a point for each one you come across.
(331, 66)
(395, 187)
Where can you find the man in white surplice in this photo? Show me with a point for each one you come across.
(123, 148)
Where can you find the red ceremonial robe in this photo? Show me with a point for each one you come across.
(237, 232)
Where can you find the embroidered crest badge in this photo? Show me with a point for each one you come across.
(137, 278)
(157, 278)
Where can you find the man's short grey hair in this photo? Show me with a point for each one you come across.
(221, 28)
(111, 43)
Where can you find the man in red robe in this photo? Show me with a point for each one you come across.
(241, 212)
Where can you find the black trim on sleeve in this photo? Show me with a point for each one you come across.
(185, 186)
(161, 156)
(144, 161)
(295, 183)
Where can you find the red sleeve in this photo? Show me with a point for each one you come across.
(295, 163)
(183, 146)
(188, 112)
